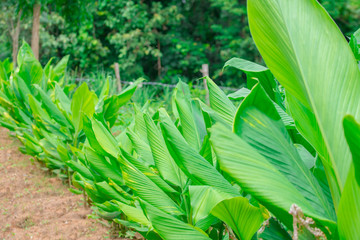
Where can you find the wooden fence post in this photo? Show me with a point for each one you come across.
(205, 72)
(117, 75)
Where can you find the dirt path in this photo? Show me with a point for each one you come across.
(34, 205)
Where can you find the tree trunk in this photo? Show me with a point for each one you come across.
(117, 75)
(35, 30)
(205, 72)
(15, 39)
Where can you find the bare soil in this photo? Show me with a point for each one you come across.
(36, 205)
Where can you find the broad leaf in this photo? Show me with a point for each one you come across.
(191, 162)
(258, 177)
(190, 127)
(242, 217)
(171, 228)
(256, 73)
(162, 158)
(322, 75)
(349, 208)
(146, 189)
(259, 124)
(83, 102)
(220, 103)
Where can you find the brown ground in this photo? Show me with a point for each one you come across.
(35, 205)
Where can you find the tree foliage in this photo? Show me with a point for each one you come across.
(161, 40)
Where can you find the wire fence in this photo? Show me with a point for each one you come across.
(159, 84)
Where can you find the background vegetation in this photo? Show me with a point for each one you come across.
(158, 40)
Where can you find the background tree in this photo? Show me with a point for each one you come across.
(10, 20)
(159, 40)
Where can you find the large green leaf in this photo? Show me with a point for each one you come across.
(197, 168)
(322, 75)
(38, 112)
(203, 200)
(133, 213)
(113, 103)
(52, 109)
(58, 72)
(257, 176)
(155, 178)
(141, 147)
(349, 208)
(242, 217)
(139, 126)
(29, 67)
(62, 99)
(146, 189)
(273, 230)
(239, 94)
(352, 133)
(22, 89)
(257, 73)
(25, 50)
(170, 228)
(162, 158)
(220, 103)
(190, 128)
(83, 102)
(259, 124)
(103, 167)
(109, 193)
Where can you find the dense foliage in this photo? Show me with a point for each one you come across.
(278, 159)
(152, 39)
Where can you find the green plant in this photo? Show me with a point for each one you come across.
(268, 161)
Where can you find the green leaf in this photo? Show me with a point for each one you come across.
(170, 228)
(60, 68)
(83, 102)
(352, 134)
(30, 70)
(349, 207)
(39, 113)
(141, 166)
(258, 123)
(139, 126)
(162, 158)
(239, 94)
(146, 189)
(203, 200)
(242, 217)
(256, 73)
(273, 230)
(190, 127)
(210, 115)
(23, 90)
(104, 138)
(109, 193)
(326, 83)
(220, 103)
(113, 103)
(258, 177)
(191, 162)
(141, 147)
(62, 99)
(52, 109)
(133, 213)
(24, 51)
(355, 47)
(103, 166)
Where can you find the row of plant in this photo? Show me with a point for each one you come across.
(269, 161)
